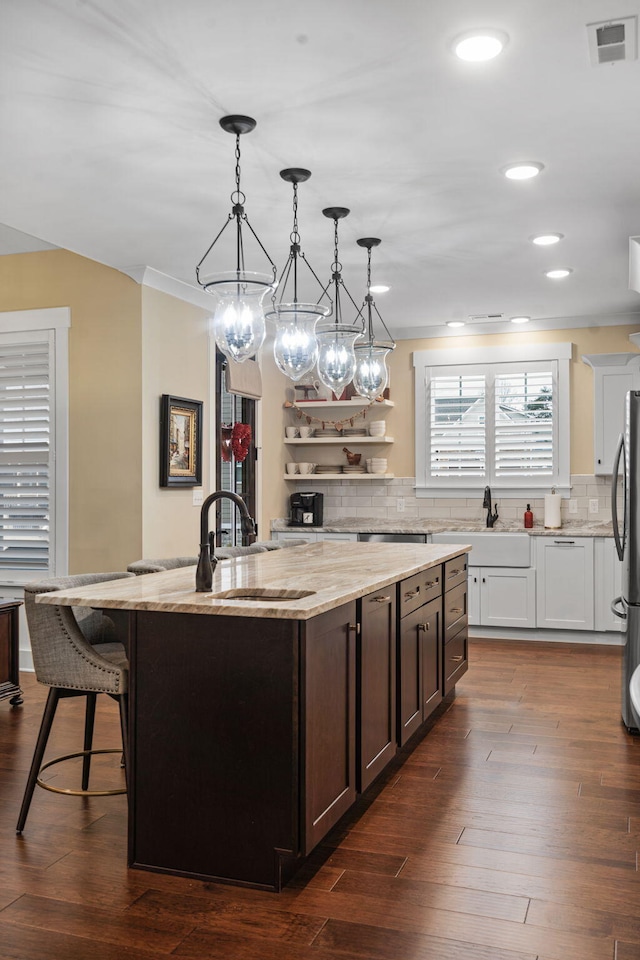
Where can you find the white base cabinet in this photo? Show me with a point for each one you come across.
(502, 596)
(565, 588)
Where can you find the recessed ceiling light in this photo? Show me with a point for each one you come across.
(547, 239)
(379, 288)
(481, 44)
(455, 323)
(524, 170)
(520, 319)
(558, 274)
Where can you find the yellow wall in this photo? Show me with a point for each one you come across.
(175, 360)
(105, 428)
(274, 494)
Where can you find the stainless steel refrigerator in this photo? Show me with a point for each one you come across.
(626, 532)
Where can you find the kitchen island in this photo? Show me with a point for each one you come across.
(260, 711)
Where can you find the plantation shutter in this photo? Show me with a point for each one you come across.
(524, 423)
(26, 451)
(456, 411)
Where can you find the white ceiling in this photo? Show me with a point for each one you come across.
(111, 146)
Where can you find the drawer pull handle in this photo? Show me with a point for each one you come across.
(457, 658)
(380, 599)
(423, 626)
(565, 543)
(354, 628)
(456, 610)
(412, 593)
(454, 573)
(432, 583)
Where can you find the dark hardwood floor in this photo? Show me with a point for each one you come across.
(511, 832)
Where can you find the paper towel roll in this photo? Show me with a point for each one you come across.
(552, 519)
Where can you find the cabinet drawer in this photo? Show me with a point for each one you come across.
(455, 660)
(455, 611)
(455, 571)
(418, 589)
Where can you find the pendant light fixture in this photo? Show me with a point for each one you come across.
(295, 348)
(336, 357)
(238, 321)
(371, 374)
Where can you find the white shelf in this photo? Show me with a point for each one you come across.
(359, 404)
(321, 477)
(353, 441)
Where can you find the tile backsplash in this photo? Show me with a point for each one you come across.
(382, 501)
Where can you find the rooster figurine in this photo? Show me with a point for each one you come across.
(352, 458)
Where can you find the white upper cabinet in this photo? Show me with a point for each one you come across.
(614, 374)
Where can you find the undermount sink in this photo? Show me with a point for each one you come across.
(261, 594)
(491, 549)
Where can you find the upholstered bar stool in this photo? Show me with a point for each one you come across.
(76, 654)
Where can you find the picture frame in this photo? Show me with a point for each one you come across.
(180, 442)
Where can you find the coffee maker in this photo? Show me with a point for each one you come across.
(306, 510)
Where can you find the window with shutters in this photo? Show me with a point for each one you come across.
(32, 451)
(502, 423)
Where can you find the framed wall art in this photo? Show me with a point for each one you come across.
(180, 442)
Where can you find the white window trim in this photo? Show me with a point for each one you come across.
(56, 321)
(424, 359)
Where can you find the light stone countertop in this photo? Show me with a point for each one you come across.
(415, 525)
(335, 573)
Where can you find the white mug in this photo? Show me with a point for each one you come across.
(307, 467)
(292, 468)
(291, 432)
(306, 432)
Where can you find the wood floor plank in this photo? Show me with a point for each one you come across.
(99, 925)
(622, 853)
(501, 906)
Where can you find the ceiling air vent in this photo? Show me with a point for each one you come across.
(485, 317)
(613, 40)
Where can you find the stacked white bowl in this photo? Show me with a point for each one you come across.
(377, 428)
(377, 465)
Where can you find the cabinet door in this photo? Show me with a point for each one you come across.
(564, 594)
(329, 724)
(376, 696)
(607, 584)
(611, 384)
(430, 629)
(419, 667)
(508, 597)
(473, 595)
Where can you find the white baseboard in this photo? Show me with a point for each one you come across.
(547, 636)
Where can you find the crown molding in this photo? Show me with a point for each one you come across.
(148, 277)
(506, 327)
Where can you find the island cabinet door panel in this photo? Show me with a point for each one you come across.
(376, 688)
(214, 746)
(328, 720)
(430, 628)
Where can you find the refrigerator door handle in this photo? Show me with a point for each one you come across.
(616, 611)
(614, 498)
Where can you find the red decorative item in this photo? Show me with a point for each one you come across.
(240, 441)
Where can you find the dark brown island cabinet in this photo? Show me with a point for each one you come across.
(9, 652)
(247, 750)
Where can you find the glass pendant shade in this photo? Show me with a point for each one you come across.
(295, 348)
(336, 356)
(238, 321)
(371, 375)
